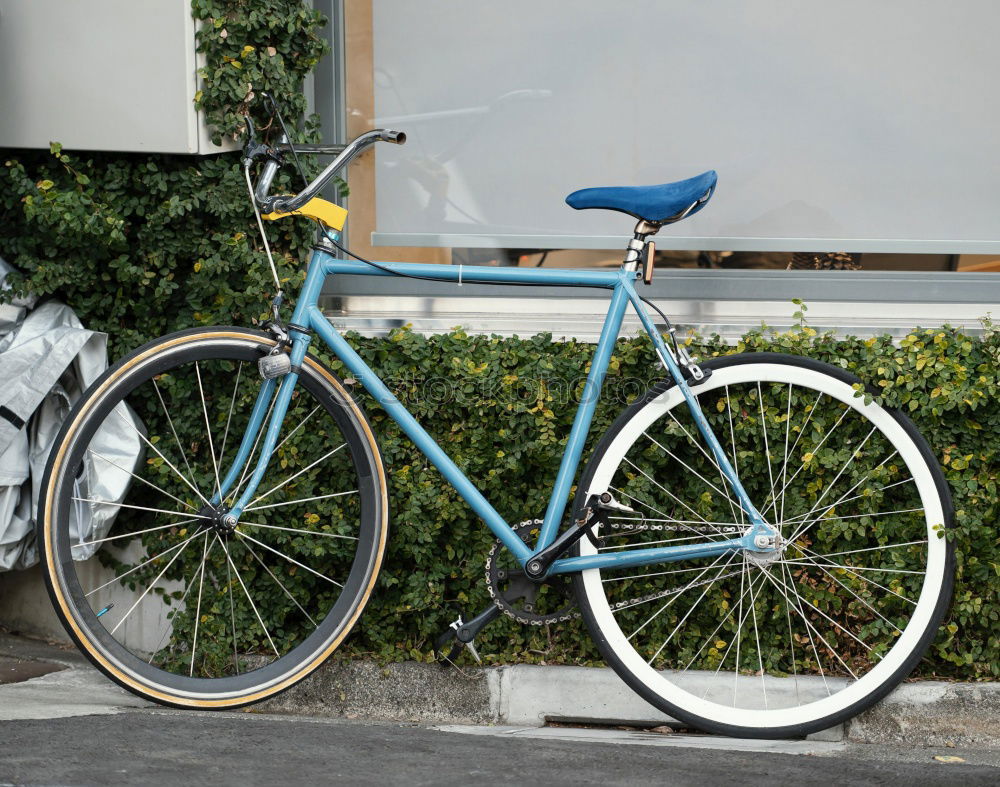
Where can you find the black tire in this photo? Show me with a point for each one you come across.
(289, 620)
(665, 680)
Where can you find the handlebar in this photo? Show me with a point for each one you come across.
(285, 204)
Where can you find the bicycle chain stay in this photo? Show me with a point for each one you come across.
(536, 619)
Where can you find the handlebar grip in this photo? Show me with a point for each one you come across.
(395, 137)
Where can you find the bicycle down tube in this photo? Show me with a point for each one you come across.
(620, 281)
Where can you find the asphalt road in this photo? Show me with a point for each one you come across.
(146, 746)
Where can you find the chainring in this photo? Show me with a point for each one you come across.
(527, 602)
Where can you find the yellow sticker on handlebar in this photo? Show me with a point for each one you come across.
(332, 216)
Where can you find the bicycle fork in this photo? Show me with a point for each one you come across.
(270, 408)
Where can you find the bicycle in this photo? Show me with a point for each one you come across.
(754, 548)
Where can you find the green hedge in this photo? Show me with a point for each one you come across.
(507, 431)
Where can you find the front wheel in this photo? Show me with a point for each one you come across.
(797, 640)
(156, 589)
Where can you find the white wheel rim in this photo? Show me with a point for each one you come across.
(852, 692)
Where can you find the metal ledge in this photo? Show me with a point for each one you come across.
(502, 239)
(726, 302)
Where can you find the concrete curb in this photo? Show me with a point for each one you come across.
(925, 713)
(929, 713)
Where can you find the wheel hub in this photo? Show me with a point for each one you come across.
(218, 519)
(770, 554)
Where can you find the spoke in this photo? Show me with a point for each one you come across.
(864, 478)
(664, 489)
(694, 442)
(156, 450)
(789, 452)
(298, 426)
(145, 563)
(739, 635)
(271, 573)
(672, 592)
(173, 431)
(135, 533)
(208, 429)
(739, 618)
(286, 557)
(843, 663)
(713, 461)
(229, 418)
(849, 590)
(140, 478)
(136, 508)
(297, 530)
(673, 456)
(854, 455)
(756, 634)
(837, 517)
(808, 562)
(732, 440)
(853, 497)
(791, 638)
(260, 620)
(293, 477)
(704, 592)
(847, 631)
(301, 500)
(784, 474)
(816, 447)
(798, 608)
(850, 570)
(675, 593)
(867, 549)
(726, 483)
(150, 586)
(187, 590)
(767, 455)
(197, 612)
(710, 637)
(232, 603)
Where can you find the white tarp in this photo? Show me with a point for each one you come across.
(47, 359)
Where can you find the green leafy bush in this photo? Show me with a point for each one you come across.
(506, 424)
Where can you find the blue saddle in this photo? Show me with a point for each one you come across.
(650, 203)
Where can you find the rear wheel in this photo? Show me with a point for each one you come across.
(805, 637)
(175, 606)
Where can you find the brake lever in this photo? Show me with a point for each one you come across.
(261, 151)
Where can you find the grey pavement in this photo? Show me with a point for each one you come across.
(174, 747)
(73, 727)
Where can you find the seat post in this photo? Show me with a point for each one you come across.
(638, 242)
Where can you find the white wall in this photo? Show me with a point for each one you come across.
(117, 75)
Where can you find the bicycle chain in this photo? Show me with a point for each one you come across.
(563, 616)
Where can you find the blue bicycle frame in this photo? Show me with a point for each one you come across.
(621, 282)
